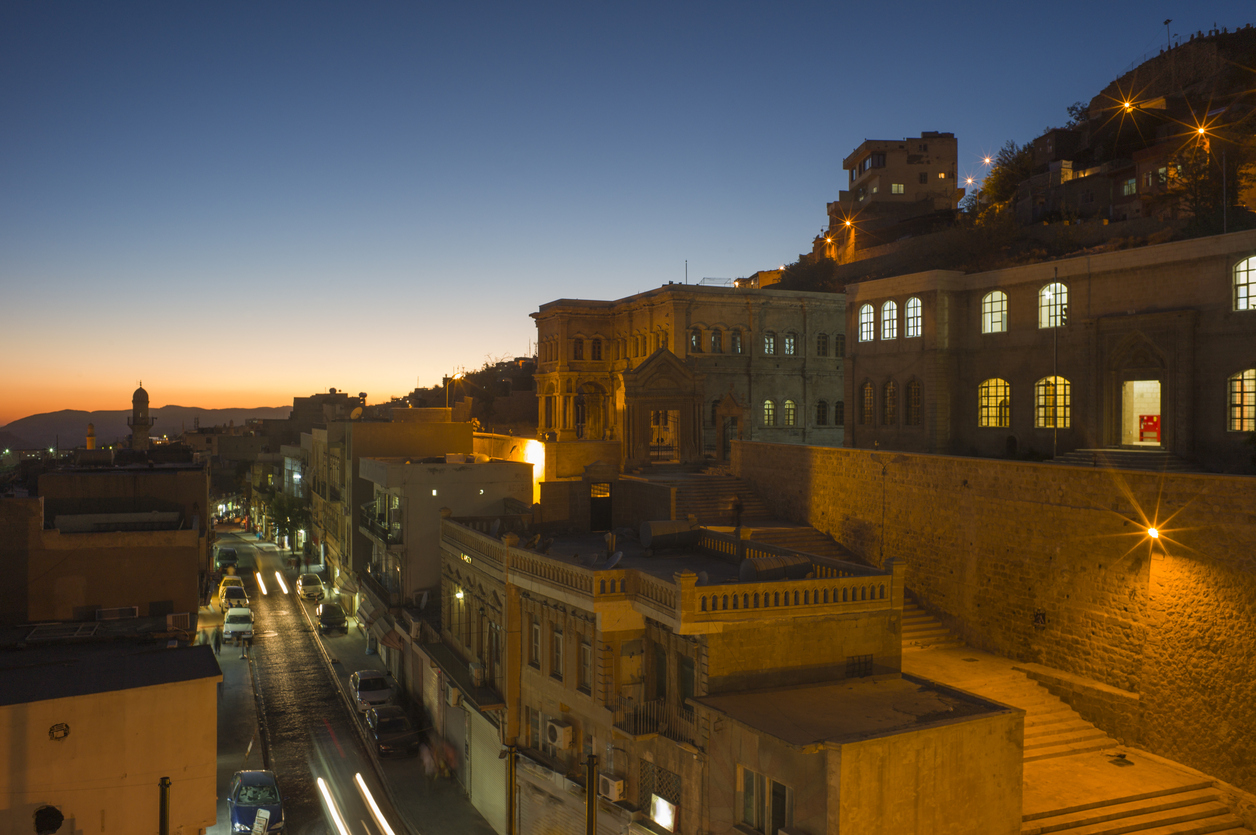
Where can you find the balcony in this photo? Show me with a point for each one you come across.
(384, 586)
(373, 521)
(659, 716)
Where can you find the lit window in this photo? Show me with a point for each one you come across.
(769, 413)
(1052, 399)
(822, 413)
(769, 343)
(896, 188)
(577, 349)
(763, 804)
(867, 323)
(1245, 285)
(914, 322)
(717, 342)
(1053, 305)
(994, 312)
(994, 398)
(889, 321)
(941, 175)
(913, 403)
(791, 345)
(1129, 187)
(735, 340)
(1243, 401)
(790, 413)
(865, 416)
(822, 345)
(695, 340)
(889, 404)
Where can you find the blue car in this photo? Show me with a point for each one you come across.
(252, 794)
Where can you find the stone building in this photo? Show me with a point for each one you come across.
(1151, 349)
(675, 373)
(635, 683)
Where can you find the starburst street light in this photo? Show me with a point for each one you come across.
(986, 160)
(1153, 533)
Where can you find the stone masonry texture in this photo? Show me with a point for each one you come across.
(1052, 565)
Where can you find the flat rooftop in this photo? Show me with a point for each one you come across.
(849, 710)
(589, 551)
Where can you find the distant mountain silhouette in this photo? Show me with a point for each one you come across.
(69, 426)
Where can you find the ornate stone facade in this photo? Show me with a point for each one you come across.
(674, 373)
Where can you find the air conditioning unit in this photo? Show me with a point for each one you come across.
(610, 786)
(454, 696)
(477, 673)
(558, 734)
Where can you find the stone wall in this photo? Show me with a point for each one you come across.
(1052, 565)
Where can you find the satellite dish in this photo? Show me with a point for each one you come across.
(356, 414)
(615, 558)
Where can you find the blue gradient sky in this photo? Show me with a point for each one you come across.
(239, 202)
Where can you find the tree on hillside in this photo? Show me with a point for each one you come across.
(1207, 179)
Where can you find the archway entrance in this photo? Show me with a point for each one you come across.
(1140, 413)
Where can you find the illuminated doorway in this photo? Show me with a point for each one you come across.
(1140, 413)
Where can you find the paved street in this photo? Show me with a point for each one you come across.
(310, 730)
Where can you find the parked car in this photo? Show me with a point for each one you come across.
(233, 597)
(310, 587)
(370, 689)
(332, 618)
(227, 557)
(392, 730)
(238, 623)
(254, 793)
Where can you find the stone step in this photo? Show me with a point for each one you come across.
(1068, 736)
(1036, 732)
(1131, 798)
(1069, 749)
(1118, 809)
(1198, 817)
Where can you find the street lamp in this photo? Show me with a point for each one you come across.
(448, 382)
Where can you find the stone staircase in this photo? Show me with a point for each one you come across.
(710, 499)
(922, 630)
(1190, 809)
(1153, 460)
(801, 538)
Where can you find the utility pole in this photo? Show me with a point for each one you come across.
(590, 795)
(1055, 373)
(1168, 38)
(163, 825)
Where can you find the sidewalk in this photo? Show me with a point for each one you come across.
(440, 804)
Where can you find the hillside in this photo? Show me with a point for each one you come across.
(68, 427)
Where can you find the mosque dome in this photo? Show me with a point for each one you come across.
(140, 395)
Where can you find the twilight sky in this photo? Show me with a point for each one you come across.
(239, 202)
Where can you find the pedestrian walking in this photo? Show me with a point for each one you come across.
(217, 640)
(244, 648)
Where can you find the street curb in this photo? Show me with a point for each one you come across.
(262, 732)
(357, 722)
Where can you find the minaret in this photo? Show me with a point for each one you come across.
(91, 436)
(139, 421)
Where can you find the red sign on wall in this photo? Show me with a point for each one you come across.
(1149, 428)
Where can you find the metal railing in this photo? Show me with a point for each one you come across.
(656, 717)
(378, 526)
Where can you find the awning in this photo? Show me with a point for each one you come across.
(391, 639)
(367, 615)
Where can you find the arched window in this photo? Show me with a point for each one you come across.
(839, 345)
(791, 413)
(1243, 402)
(865, 410)
(889, 404)
(822, 413)
(577, 349)
(889, 321)
(735, 340)
(791, 344)
(595, 350)
(769, 413)
(769, 343)
(1245, 284)
(913, 323)
(912, 418)
(1052, 403)
(717, 342)
(1053, 305)
(867, 323)
(839, 413)
(822, 345)
(695, 340)
(994, 312)
(994, 403)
